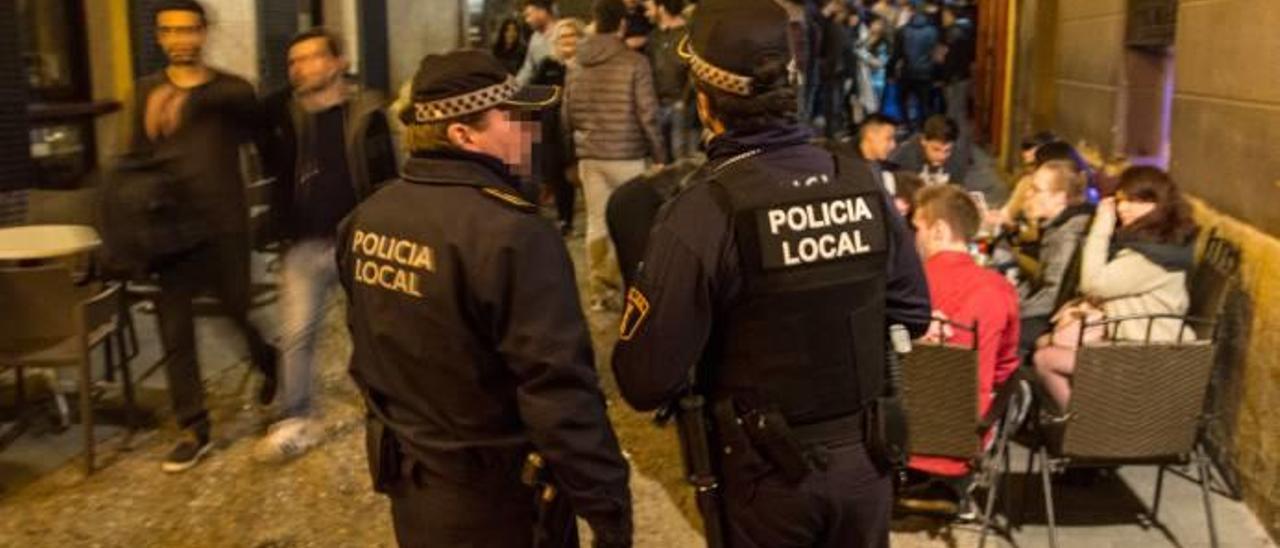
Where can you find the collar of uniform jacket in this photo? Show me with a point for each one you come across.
(459, 167)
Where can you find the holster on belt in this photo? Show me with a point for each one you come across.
(765, 432)
(887, 436)
(556, 526)
(386, 459)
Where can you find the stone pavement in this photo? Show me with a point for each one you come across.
(322, 498)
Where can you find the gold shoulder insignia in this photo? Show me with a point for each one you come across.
(633, 317)
(509, 199)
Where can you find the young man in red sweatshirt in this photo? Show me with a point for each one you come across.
(946, 221)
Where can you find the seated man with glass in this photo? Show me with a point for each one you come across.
(946, 221)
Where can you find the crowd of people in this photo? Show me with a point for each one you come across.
(908, 58)
(430, 207)
(1054, 257)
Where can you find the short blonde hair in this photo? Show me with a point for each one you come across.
(1065, 176)
(435, 136)
(567, 23)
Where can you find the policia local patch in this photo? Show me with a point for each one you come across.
(391, 263)
(820, 231)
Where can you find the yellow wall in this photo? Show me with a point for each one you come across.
(1253, 407)
(111, 72)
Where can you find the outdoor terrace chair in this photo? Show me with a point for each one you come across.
(1141, 402)
(941, 397)
(47, 323)
(82, 207)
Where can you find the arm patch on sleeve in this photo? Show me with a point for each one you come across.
(633, 317)
(509, 198)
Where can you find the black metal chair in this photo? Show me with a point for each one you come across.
(941, 398)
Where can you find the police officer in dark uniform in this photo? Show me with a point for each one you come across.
(769, 288)
(486, 417)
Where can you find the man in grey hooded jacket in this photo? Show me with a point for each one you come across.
(611, 110)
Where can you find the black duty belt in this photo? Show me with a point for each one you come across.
(846, 428)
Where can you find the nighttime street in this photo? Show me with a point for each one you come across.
(651, 273)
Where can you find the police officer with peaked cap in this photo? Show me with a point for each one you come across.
(768, 287)
(485, 413)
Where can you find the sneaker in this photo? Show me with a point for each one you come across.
(286, 440)
(187, 453)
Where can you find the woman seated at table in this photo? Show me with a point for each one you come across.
(1137, 269)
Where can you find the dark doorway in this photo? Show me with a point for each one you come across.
(375, 63)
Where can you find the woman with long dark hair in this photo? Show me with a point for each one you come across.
(509, 46)
(1135, 263)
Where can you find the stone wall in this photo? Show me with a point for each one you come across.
(1225, 123)
(418, 28)
(1226, 107)
(1088, 62)
(1250, 392)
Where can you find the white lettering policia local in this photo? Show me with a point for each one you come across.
(396, 264)
(826, 245)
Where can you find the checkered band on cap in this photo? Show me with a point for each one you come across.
(427, 112)
(712, 75)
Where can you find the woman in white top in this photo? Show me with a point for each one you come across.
(1134, 267)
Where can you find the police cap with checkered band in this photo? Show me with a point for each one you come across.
(729, 38)
(462, 82)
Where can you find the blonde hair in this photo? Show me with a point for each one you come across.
(1065, 176)
(435, 136)
(561, 25)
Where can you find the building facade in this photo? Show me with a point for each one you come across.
(75, 62)
(1192, 85)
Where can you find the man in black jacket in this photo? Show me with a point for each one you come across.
(201, 116)
(914, 59)
(469, 343)
(330, 147)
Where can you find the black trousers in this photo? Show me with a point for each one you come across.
(566, 194)
(552, 160)
(430, 508)
(222, 265)
(847, 505)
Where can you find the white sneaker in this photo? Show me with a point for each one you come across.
(286, 440)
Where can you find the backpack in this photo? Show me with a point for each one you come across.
(149, 214)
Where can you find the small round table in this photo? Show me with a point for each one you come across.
(43, 242)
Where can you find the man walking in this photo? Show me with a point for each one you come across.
(671, 78)
(611, 111)
(202, 116)
(330, 148)
(914, 59)
(540, 15)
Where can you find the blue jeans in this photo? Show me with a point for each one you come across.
(681, 139)
(308, 274)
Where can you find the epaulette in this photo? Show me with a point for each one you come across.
(509, 199)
